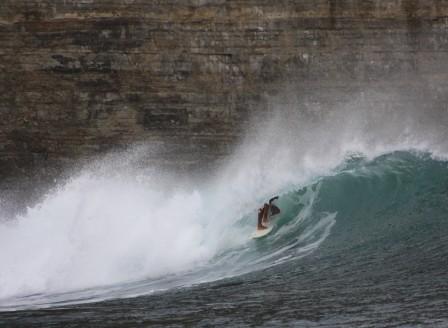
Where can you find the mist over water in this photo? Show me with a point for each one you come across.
(120, 230)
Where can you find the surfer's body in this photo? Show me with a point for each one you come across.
(264, 213)
(262, 217)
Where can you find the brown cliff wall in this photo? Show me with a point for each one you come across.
(81, 77)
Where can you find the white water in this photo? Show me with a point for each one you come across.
(96, 231)
(111, 226)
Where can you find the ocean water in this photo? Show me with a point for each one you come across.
(362, 239)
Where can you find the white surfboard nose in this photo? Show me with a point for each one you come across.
(262, 232)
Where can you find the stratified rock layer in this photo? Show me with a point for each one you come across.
(81, 77)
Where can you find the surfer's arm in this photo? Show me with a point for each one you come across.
(274, 210)
(272, 199)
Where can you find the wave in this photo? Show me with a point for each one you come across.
(101, 237)
(98, 238)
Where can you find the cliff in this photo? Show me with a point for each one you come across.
(82, 77)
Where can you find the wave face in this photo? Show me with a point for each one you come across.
(82, 245)
(385, 201)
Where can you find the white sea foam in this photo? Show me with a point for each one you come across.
(96, 231)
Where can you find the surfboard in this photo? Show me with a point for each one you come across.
(261, 233)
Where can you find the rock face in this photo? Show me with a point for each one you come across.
(78, 77)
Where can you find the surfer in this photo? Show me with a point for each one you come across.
(262, 217)
(266, 211)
